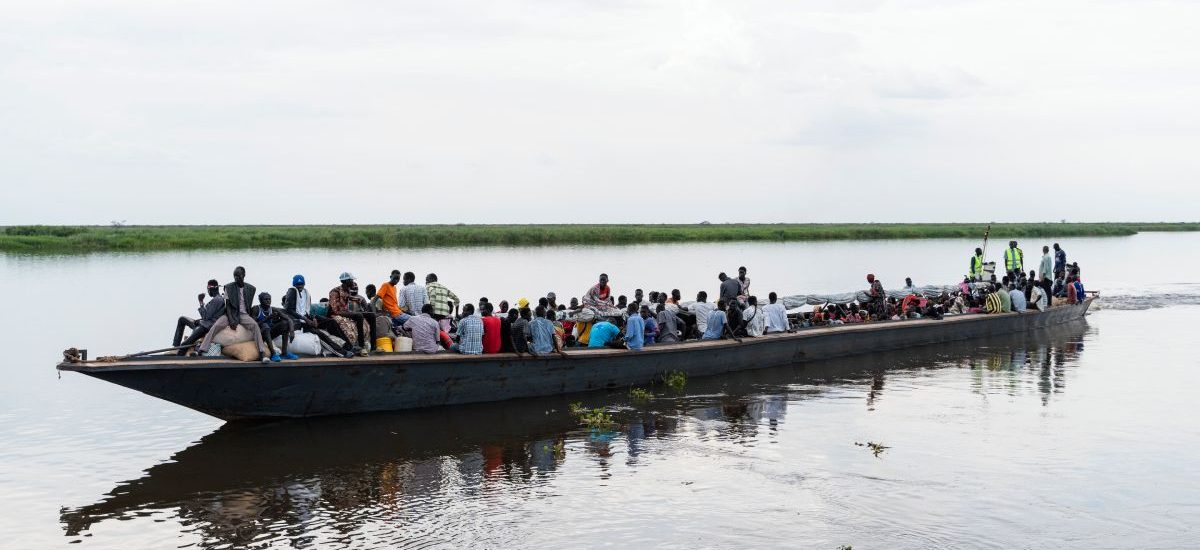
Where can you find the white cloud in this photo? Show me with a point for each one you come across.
(575, 111)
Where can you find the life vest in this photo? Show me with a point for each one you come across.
(1013, 259)
(976, 266)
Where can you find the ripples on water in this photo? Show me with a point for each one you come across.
(507, 474)
(1150, 297)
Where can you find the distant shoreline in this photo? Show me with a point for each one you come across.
(83, 239)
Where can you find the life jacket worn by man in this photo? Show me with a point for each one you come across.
(1013, 259)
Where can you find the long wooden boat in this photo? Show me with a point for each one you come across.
(233, 390)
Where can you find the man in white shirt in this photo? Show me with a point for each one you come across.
(776, 315)
(701, 308)
(753, 317)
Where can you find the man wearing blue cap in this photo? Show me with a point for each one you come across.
(297, 304)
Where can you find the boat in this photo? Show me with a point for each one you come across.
(311, 455)
(320, 386)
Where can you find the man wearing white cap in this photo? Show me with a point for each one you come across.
(352, 322)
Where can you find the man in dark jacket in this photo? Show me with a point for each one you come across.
(208, 315)
(238, 296)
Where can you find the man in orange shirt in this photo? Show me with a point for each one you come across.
(387, 296)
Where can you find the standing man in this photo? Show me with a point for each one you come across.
(413, 297)
(1060, 262)
(1045, 272)
(743, 284)
(1014, 260)
(876, 296)
(209, 313)
(238, 296)
(976, 268)
(445, 303)
(729, 291)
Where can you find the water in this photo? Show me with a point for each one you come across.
(1077, 437)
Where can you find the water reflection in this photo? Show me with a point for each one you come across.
(338, 479)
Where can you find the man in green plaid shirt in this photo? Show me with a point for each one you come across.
(441, 298)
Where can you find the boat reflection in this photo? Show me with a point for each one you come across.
(247, 483)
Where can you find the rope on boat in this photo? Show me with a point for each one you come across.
(72, 355)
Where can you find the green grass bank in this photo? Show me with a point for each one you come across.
(84, 239)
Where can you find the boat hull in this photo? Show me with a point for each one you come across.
(232, 390)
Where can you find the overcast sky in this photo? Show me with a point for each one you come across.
(211, 111)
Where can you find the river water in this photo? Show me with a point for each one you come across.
(1081, 436)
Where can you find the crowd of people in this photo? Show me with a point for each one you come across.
(430, 318)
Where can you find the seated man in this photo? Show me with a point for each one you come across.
(1037, 297)
(700, 310)
(208, 316)
(424, 330)
(602, 333)
(717, 324)
(470, 332)
(297, 304)
(273, 322)
(493, 330)
(518, 331)
(1017, 296)
(670, 326)
(1005, 299)
(635, 328)
(412, 298)
(355, 325)
(542, 333)
(776, 315)
(752, 318)
(1074, 290)
(650, 333)
(993, 303)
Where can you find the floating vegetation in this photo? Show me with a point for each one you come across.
(640, 394)
(846, 547)
(874, 447)
(593, 418)
(676, 379)
(559, 449)
(597, 419)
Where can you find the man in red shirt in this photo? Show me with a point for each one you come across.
(491, 330)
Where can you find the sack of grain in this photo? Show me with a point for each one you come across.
(233, 335)
(242, 351)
